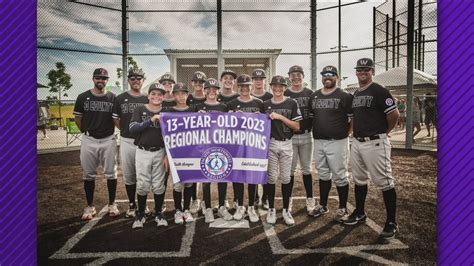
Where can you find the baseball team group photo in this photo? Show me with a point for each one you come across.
(229, 133)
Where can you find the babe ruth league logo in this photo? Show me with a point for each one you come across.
(216, 163)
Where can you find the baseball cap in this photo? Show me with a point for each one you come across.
(330, 69)
(156, 86)
(199, 76)
(180, 87)
(101, 72)
(230, 72)
(244, 80)
(365, 63)
(211, 83)
(135, 72)
(258, 73)
(296, 68)
(278, 80)
(167, 77)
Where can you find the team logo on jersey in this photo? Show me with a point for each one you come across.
(216, 163)
(389, 101)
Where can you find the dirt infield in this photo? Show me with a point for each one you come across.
(64, 239)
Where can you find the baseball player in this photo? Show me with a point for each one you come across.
(302, 141)
(247, 104)
(285, 115)
(331, 108)
(211, 104)
(197, 97)
(151, 161)
(375, 115)
(124, 106)
(258, 91)
(93, 116)
(167, 80)
(182, 213)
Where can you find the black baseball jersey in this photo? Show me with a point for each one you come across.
(218, 107)
(225, 99)
(371, 107)
(302, 98)
(168, 103)
(193, 101)
(151, 136)
(287, 108)
(174, 109)
(265, 96)
(96, 113)
(252, 106)
(124, 107)
(331, 114)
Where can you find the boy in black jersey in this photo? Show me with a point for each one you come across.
(227, 92)
(124, 107)
(285, 114)
(302, 140)
(247, 104)
(211, 104)
(197, 84)
(167, 81)
(180, 92)
(93, 116)
(150, 160)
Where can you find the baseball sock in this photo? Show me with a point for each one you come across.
(343, 193)
(206, 192)
(194, 191)
(265, 193)
(360, 194)
(112, 187)
(271, 195)
(308, 185)
(239, 193)
(177, 196)
(292, 182)
(141, 204)
(221, 193)
(159, 199)
(286, 191)
(256, 194)
(390, 199)
(89, 186)
(131, 190)
(252, 188)
(187, 196)
(324, 189)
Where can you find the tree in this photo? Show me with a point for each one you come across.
(60, 83)
(132, 64)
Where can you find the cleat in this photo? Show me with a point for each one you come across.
(188, 217)
(160, 220)
(319, 210)
(288, 218)
(113, 210)
(138, 223)
(253, 216)
(239, 213)
(341, 214)
(355, 218)
(310, 204)
(89, 213)
(178, 217)
(208, 215)
(271, 216)
(224, 213)
(389, 231)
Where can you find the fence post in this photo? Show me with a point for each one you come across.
(220, 59)
(313, 46)
(410, 46)
(124, 44)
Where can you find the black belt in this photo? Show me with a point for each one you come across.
(146, 148)
(364, 139)
(303, 132)
(329, 138)
(281, 139)
(87, 133)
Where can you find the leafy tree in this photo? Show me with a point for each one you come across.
(59, 83)
(132, 64)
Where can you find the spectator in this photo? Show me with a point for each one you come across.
(416, 117)
(42, 120)
(402, 108)
(431, 115)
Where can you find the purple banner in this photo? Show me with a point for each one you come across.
(217, 147)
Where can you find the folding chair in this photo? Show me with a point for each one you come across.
(72, 131)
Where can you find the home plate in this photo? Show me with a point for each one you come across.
(221, 223)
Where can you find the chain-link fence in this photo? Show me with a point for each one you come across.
(183, 36)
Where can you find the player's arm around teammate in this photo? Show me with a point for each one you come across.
(285, 114)
(150, 160)
(93, 115)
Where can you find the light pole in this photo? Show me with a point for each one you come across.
(339, 47)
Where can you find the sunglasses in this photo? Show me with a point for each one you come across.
(135, 78)
(101, 78)
(367, 69)
(328, 75)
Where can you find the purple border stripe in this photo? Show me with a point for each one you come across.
(455, 186)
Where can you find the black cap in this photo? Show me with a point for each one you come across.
(279, 80)
(258, 73)
(167, 77)
(101, 72)
(365, 63)
(156, 86)
(330, 69)
(244, 80)
(296, 68)
(180, 87)
(211, 83)
(199, 76)
(135, 72)
(230, 72)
